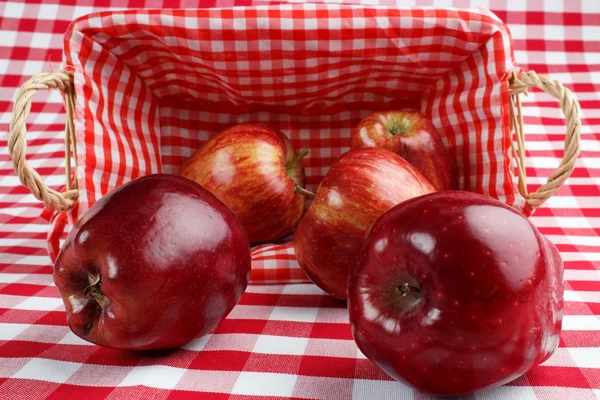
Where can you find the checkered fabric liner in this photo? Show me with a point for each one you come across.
(281, 341)
(152, 86)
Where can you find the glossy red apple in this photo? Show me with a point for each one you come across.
(152, 265)
(410, 135)
(455, 292)
(254, 170)
(360, 186)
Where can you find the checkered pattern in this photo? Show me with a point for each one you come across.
(152, 86)
(285, 341)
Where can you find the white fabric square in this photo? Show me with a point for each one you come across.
(368, 390)
(358, 23)
(13, 10)
(47, 11)
(508, 392)
(215, 23)
(586, 357)
(217, 45)
(167, 20)
(264, 384)
(40, 304)
(286, 24)
(49, 370)
(239, 24)
(382, 22)
(298, 314)
(10, 278)
(156, 376)
(41, 40)
(553, 32)
(33, 67)
(241, 45)
(143, 19)
(334, 23)
(268, 344)
(9, 39)
(191, 22)
(11, 331)
(310, 24)
(307, 288)
(118, 19)
(79, 11)
(581, 323)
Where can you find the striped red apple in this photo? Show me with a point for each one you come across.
(256, 172)
(360, 186)
(410, 135)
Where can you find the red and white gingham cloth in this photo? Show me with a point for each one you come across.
(285, 341)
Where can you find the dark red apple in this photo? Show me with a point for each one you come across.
(412, 136)
(360, 186)
(152, 265)
(455, 292)
(254, 170)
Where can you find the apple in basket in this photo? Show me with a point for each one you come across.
(360, 186)
(152, 265)
(455, 292)
(411, 135)
(256, 172)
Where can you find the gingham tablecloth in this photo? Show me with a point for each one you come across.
(286, 341)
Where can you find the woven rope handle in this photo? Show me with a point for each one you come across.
(571, 111)
(17, 143)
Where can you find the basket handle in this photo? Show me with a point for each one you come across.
(571, 110)
(17, 144)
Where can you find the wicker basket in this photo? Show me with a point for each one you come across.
(229, 66)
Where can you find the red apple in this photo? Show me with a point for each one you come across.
(360, 186)
(152, 265)
(455, 292)
(254, 170)
(410, 135)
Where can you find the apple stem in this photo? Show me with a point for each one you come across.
(93, 290)
(292, 163)
(406, 288)
(395, 126)
(300, 190)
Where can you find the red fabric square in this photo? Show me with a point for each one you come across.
(328, 366)
(22, 349)
(220, 360)
(65, 391)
